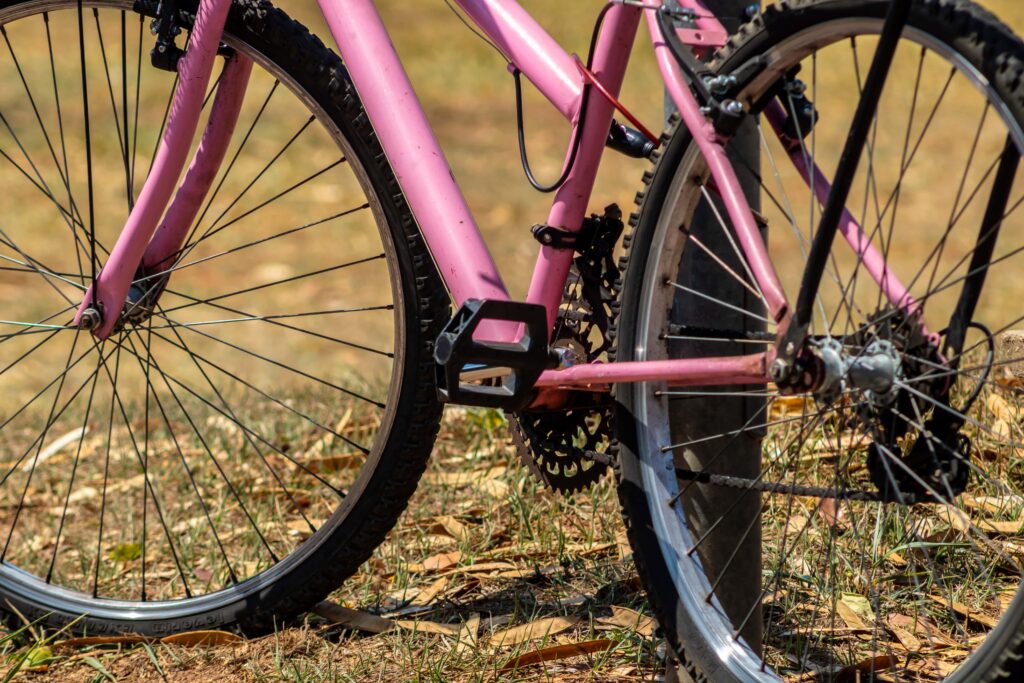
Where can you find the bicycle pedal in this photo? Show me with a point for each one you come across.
(491, 374)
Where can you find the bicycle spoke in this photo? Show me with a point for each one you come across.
(283, 366)
(180, 344)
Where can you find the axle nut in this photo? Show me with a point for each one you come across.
(90, 319)
(779, 370)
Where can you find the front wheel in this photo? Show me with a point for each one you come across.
(888, 521)
(236, 450)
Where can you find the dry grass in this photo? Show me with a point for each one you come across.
(496, 547)
(551, 557)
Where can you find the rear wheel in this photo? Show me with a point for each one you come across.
(232, 457)
(890, 517)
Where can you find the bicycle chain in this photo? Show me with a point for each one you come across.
(763, 486)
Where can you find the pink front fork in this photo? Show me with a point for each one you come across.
(108, 292)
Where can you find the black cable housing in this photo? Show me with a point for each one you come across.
(577, 137)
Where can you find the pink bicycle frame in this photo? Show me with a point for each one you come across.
(453, 238)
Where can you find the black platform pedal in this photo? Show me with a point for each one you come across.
(491, 374)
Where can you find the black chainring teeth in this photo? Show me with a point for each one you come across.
(569, 450)
(562, 449)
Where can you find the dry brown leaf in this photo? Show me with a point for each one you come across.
(782, 406)
(902, 630)
(956, 518)
(999, 407)
(495, 488)
(428, 594)
(896, 559)
(1000, 528)
(451, 630)
(468, 634)
(524, 573)
(965, 611)
(856, 611)
(993, 505)
(555, 652)
(623, 617)
(436, 562)
(446, 525)
(853, 673)
(335, 463)
(201, 639)
(345, 616)
(535, 629)
(1001, 429)
(482, 568)
(921, 628)
(127, 639)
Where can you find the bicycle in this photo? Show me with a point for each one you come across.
(187, 467)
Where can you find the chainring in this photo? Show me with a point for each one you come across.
(564, 449)
(569, 450)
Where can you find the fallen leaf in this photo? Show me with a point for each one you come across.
(921, 629)
(451, 630)
(446, 525)
(428, 594)
(468, 635)
(436, 562)
(201, 638)
(965, 611)
(853, 673)
(126, 552)
(998, 406)
(344, 616)
(127, 639)
(1001, 429)
(908, 640)
(623, 617)
(994, 505)
(540, 628)
(55, 447)
(526, 573)
(856, 611)
(335, 463)
(495, 488)
(555, 652)
(482, 568)
(1000, 528)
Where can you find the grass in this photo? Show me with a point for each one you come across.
(548, 556)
